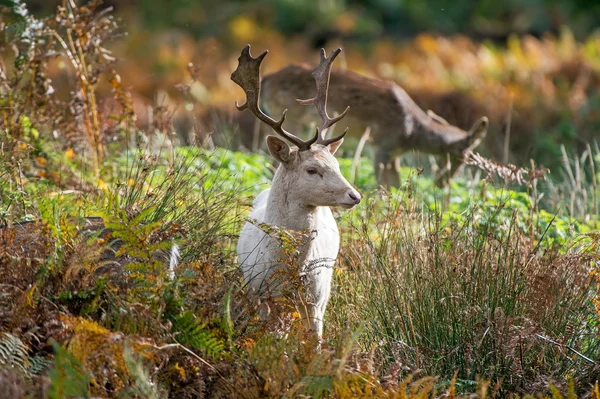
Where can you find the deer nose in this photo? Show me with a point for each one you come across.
(354, 196)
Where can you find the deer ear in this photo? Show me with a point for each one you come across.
(279, 149)
(333, 147)
(479, 128)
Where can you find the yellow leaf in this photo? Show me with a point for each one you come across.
(427, 43)
(181, 371)
(130, 182)
(69, 153)
(247, 343)
(101, 184)
(41, 160)
(243, 28)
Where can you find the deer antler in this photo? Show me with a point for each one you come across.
(321, 75)
(247, 76)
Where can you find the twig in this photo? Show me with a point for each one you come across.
(189, 351)
(594, 182)
(567, 347)
(41, 296)
(507, 131)
(358, 152)
(178, 345)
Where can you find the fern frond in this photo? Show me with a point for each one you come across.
(38, 364)
(13, 353)
(317, 386)
(190, 332)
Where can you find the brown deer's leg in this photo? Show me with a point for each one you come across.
(386, 169)
(451, 165)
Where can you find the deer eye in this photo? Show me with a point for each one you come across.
(312, 171)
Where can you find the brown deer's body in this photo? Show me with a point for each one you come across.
(397, 123)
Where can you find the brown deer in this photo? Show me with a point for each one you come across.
(397, 123)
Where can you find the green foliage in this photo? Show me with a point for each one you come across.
(68, 378)
(491, 205)
(189, 331)
(372, 17)
(14, 354)
(231, 167)
(39, 365)
(184, 192)
(317, 386)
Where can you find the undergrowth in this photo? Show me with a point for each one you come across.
(479, 289)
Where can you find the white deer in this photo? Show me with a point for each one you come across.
(307, 182)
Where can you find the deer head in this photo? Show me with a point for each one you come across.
(477, 132)
(308, 170)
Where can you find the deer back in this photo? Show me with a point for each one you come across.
(396, 121)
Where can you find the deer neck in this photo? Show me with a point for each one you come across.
(428, 135)
(423, 131)
(285, 211)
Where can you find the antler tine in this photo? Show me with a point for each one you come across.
(247, 76)
(321, 75)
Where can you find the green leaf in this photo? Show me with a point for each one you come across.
(68, 377)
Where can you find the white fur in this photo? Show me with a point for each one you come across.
(298, 201)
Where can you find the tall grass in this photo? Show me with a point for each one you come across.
(577, 190)
(475, 297)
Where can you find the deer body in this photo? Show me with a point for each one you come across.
(307, 182)
(259, 254)
(298, 201)
(397, 123)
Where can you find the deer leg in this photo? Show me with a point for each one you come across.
(452, 165)
(312, 318)
(316, 320)
(386, 169)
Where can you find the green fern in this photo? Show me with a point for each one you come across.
(13, 353)
(38, 364)
(190, 332)
(317, 386)
(68, 377)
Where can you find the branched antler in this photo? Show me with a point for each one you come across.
(247, 76)
(321, 75)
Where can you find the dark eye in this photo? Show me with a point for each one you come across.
(311, 171)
